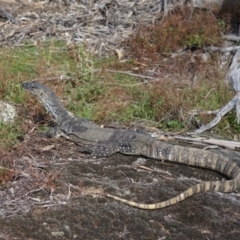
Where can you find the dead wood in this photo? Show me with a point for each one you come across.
(231, 38)
(225, 49)
(101, 25)
(233, 77)
(217, 142)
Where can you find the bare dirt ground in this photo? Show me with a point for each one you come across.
(56, 193)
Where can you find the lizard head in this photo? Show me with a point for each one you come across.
(44, 95)
(36, 88)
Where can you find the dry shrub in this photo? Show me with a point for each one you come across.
(166, 100)
(6, 174)
(116, 100)
(174, 99)
(184, 28)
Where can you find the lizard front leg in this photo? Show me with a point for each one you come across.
(100, 150)
(106, 150)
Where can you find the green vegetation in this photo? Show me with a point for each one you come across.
(9, 134)
(115, 96)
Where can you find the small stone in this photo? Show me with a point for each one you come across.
(127, 192)
(57, 234)
(67, 228)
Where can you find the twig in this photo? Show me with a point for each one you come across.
(149, 169)
(226, 49)
(34, 190)
(53, 204)
(129, 73)
(145, 168)
(132, 85)
(62, 78)
(168, 178)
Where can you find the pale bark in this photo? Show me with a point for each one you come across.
(233, 76)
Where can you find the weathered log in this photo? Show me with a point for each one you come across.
(233, 76)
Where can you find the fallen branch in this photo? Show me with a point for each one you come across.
(129, 73)
(233, 76)
(231, 38)
(221, 143)
(223, 111)
(226, 49)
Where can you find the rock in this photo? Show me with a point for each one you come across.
(7, 112)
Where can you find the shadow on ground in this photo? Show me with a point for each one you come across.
(65, 198)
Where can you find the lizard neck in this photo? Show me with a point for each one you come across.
(67, 123)
(55, 108)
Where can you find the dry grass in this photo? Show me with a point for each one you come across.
(180, 84)
(184, 28)
(6, 174)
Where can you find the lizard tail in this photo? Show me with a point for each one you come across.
(214, 186)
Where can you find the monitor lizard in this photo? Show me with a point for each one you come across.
(103, 142)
